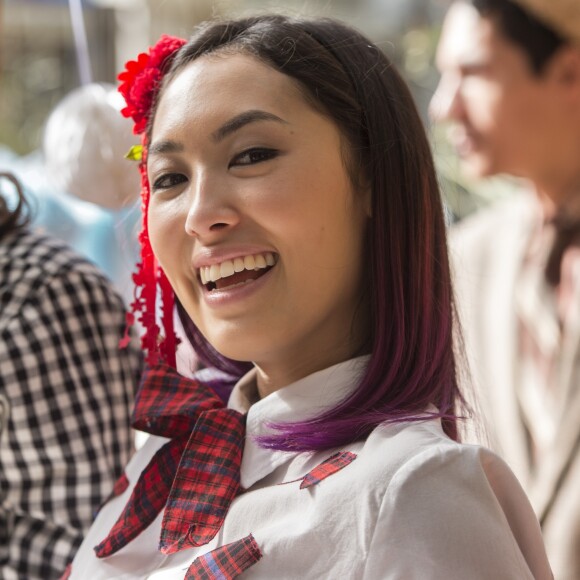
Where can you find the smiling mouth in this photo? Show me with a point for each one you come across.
(236, 272)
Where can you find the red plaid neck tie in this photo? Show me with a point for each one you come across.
(195, 476)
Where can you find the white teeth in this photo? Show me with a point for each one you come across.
(214, 272)
(227, 269)
(230, 267)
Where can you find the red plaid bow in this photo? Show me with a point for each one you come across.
(195, 476)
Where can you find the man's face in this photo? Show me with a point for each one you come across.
(501, 115)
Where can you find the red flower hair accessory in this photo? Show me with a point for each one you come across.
(140, 82)
(141, 79)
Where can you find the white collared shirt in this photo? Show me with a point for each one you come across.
(413, 504)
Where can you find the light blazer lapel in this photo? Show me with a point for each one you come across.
(566, 445)
(500, 336)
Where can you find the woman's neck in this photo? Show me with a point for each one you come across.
(271, 377)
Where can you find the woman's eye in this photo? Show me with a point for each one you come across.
(252, 156)
(168, 181)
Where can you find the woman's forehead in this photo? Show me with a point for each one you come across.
(227, 83)
(215, 75)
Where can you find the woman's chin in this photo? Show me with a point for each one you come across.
(233, 351)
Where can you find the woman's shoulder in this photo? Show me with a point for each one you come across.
(419, 456)
(443, 497)
(408, 445)
(402, 452)
(432, 483)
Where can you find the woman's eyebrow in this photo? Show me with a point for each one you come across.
(243, 119)
(231, 126)
(160, 147)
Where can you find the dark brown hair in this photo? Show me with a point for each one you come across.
(19, 216)
(349, 79)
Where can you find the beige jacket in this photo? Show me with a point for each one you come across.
(486, 253)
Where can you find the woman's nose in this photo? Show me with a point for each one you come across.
(212, 209)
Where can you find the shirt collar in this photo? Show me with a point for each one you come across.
(304, 399)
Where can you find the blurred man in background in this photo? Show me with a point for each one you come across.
(510, 90)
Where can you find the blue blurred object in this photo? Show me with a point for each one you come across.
(106, 237)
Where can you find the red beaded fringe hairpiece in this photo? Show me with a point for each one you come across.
(140, 82)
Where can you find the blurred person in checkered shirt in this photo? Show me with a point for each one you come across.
(66, 391)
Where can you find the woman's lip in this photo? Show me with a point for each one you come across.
(211, 257)
(231, 294)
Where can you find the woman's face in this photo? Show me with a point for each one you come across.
(254, 219)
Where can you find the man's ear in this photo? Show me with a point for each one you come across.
(564, 69)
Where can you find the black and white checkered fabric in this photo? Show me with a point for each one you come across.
(66, 392)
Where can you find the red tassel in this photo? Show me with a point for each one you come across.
(169, 344)
(139, 83)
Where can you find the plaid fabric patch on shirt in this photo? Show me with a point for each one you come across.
(147, 500)
(119, 488)
(167, 403)
(66, 574)
(226, 562)
(329, 466)
(195, 476)
(207, 482)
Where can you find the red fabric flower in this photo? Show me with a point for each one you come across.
(139, 83)
(141, 79)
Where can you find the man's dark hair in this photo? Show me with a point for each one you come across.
(538, 40)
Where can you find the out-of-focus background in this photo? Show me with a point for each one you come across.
(49, 48)
(39, 53)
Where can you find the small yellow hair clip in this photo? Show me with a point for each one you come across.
(135, 153)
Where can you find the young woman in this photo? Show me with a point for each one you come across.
(291, 202)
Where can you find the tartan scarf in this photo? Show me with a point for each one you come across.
(195, 476)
